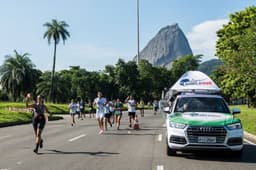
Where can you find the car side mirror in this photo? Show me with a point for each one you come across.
(236, 111)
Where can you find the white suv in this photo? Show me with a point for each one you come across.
(202, 122)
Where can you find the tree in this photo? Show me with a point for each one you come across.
(17, 75)
(57, 31)
(126, 77)
(62, 89)
(236, 47)
(183, 64)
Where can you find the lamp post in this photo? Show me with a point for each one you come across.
(138, 33)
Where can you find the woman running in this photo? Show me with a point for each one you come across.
(72, 111)
(118, 112)
(38, 118)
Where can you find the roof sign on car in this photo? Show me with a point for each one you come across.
(195, 81)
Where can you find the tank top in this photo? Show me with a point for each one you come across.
(39, 109)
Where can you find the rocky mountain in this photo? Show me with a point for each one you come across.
(168, 44)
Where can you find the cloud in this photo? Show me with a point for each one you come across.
(202, 38)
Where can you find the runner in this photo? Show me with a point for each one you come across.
(72, 111)
(155, 106)
(100, 102)
(78, 109)
(82, 106)
(118, 112)
(112, 110)
(38, 118)
(107, 115)
(131, 109)
(142, 108)
(91, 109)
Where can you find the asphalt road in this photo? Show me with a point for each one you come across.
(81, 147)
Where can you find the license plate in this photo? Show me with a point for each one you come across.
(206, 139)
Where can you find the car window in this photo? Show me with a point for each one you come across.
(201, 104)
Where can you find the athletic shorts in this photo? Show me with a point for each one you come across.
(72, 113)
(131, 114)
(107, 115)
(117, 113)
(99, 115)
(38, 122)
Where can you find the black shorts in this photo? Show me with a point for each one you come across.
(107, 115)
(38, 122)
(131, 114)
(155, 109)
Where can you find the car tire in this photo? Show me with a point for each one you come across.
(170, 152)
(238, 153)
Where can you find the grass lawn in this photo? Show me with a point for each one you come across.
(248, 118)
(15, 113)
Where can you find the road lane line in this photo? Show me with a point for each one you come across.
(160, 136)
(77, 137)
(160, 167)
(251, 143)
(19, 162)
(7, 136)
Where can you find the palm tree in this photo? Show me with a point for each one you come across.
(16, 75)
(62, 85)
(56, 31)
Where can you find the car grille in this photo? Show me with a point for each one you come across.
(193, 132)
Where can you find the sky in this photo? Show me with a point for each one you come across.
(102, 31)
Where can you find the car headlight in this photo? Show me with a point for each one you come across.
(177, 125)
(234, 126)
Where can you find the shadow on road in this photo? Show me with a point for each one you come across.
(248, 155)
(99, 153)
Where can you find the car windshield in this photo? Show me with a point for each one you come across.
(201, 104)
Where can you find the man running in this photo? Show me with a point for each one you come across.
(131, 109)
(38, 118)
(100, 102)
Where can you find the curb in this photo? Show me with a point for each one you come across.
(250, 137)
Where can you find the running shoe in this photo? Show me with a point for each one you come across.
(130, 125)
(41, 143)
(35, 150)
(101, 131)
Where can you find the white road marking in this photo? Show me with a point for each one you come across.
(7, 136)
(75, 138)
(19, 162)
(251, 143)
(164, 125)
(160, 136)
(129, 132)
(160, 167)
